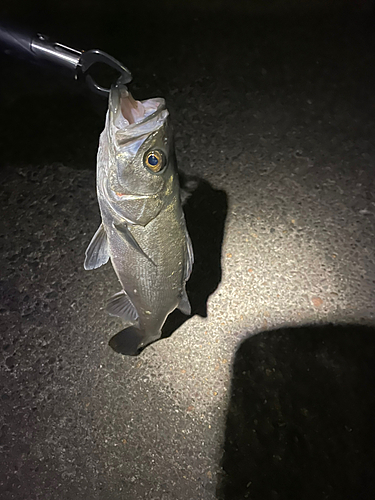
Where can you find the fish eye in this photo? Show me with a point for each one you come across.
(154, 160)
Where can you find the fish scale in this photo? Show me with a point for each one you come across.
(143, 230)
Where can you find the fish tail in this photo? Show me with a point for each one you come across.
(131, 341)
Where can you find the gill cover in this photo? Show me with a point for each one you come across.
(139, 156)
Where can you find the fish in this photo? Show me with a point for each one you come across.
(143, 230)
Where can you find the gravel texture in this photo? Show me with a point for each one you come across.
(274, 118)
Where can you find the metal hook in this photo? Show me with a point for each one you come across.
(90, 57)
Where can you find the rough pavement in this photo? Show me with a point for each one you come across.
(275, 116)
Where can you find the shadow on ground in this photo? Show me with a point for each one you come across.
(300, 422)
(205, 213)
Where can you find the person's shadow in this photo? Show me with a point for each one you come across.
(301, 417)
(205, 212)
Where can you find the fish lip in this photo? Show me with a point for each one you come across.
(115, 108)
(132, 132)
(145, 119)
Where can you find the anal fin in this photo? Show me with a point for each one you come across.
(184, 305)
(97, 251)
(121, 306)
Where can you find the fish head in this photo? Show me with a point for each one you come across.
(137, 162)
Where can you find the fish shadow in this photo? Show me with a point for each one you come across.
(300, 419)
(205, 211)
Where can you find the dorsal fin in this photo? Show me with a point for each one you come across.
(190, 257)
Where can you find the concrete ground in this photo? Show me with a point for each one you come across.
(274, 115)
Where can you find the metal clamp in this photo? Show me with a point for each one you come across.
(79, 61)
(40, 47)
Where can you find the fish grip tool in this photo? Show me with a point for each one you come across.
(40, 48)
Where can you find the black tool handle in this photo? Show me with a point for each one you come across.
(37, 48)
(16, 41)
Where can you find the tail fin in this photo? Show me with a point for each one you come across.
(131, 341)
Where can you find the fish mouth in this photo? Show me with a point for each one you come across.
(131, 120)
(123, 105)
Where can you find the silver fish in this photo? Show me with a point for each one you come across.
(143, 228)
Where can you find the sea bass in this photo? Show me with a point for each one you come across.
(143, 228)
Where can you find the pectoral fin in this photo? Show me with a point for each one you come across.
(184, 305)
(126, 235)
(97, 251)
(120, 305)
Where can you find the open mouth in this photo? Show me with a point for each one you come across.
(133, 111)
(127, 111)
(132, 121)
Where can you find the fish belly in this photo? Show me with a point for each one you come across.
(154, 285)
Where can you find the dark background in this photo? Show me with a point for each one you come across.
(298, 419)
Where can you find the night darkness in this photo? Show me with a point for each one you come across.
(267, 391)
